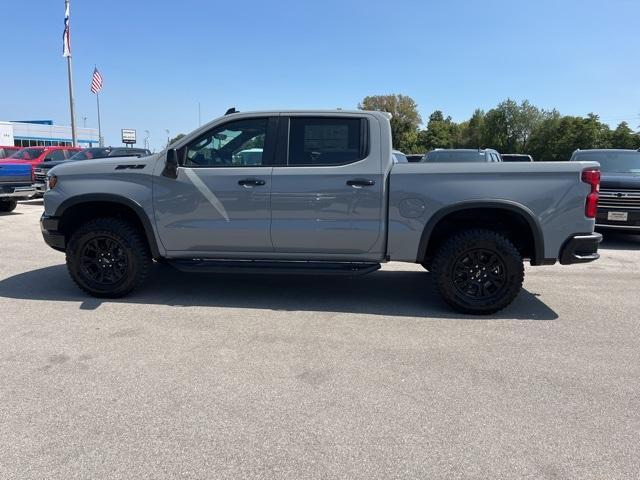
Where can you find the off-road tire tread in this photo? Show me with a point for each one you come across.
(131, 236)
(7, 206)
(463, 241)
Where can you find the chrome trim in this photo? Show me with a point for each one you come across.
(620, 227)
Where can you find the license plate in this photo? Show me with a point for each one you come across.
(618, 216)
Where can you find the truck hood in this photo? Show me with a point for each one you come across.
(104, 165)
(613, 181)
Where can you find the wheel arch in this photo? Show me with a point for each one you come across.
(76, 210)
(507, 215)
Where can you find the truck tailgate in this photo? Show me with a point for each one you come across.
(15, 174)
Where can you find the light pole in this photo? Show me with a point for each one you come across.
(84, 122)
(167, 130)
(146, 139)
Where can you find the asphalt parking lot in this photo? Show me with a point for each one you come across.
(202, 376)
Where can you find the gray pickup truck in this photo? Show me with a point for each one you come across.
(317, 192)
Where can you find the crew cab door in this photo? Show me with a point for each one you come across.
(328, 187)
(219, 201)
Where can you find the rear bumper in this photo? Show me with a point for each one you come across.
(581, 248)
(17, 193)
(50, 233)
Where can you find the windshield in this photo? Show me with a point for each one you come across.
(400, 157)
(613, 162)
(89, 153)
(27, 154)
(455, 156)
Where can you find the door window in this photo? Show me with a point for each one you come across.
(326, 141)
(234, 144)
(55, 155)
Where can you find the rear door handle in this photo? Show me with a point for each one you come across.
(251, 182)
(360, 182)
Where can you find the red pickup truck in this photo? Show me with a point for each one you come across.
(7, 151)
(36, 155)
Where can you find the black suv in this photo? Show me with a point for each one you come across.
(619, 204)
(40, 170)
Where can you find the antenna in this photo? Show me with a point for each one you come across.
(231, 110)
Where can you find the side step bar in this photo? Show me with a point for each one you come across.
(274, 267)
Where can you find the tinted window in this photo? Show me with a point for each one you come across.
(54, 156)
(326, 141)
(612, 161)
(88, 153)
(229, 145)
(27, 154)
(454, 156)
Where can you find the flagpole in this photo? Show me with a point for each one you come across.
(71, 103)
(99, 127)
(66, 52)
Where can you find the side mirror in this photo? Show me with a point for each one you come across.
(171, 164)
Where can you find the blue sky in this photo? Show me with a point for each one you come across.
(159, 59)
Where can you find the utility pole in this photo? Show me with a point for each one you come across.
(199, 117)
(84, 122)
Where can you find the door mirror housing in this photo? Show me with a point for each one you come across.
(171, 164)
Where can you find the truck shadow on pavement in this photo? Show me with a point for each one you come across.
(386, 292)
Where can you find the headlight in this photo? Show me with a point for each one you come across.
(52, 181)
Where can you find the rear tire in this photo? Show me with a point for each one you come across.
(108, 257)
(478, 271)
(8, 205)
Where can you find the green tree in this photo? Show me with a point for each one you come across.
(176, 138)
(509, 126)
(441, 132)
(405, 118)
(624, 137)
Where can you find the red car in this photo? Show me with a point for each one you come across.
(7, 151)
(36, 155)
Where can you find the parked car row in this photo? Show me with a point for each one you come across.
(23, 173)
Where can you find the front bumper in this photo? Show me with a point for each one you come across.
(631, 224)
(50, 233)
(581, 248)
(17, 193)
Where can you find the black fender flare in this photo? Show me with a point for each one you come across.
(507, 205)
(119, 199)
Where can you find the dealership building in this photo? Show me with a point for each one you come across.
(32, 133)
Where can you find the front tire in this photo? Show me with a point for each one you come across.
(8, 205)
(478, 271)
(108, 257)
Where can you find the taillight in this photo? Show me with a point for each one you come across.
(592, 177)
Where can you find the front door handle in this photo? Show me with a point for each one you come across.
(251, 182)
(360, 182)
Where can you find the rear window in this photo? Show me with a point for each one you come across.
(326, 141)
(453, 156)
(89, 153)
(612, 161)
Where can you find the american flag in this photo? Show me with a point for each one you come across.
(66, 35)
(96, 81)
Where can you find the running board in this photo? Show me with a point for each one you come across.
(274, 267)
